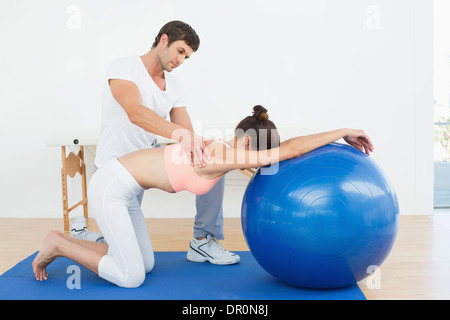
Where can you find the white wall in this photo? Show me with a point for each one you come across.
(441, 55)
(316, 65)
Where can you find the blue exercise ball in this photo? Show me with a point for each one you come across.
(323, 220)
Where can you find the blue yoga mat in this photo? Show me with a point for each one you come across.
(172, 278)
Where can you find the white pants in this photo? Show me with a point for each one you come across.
(113, 200)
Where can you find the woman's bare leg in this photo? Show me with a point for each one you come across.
(96, 246)
(56, 244)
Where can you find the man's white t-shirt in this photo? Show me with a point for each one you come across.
(118, 135)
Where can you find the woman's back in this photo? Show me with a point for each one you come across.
(148, 168)
(169, 169)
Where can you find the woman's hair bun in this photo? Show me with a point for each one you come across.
(260, 113)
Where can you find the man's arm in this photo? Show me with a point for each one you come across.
(128, 96)
(180, 116)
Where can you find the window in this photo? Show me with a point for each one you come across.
(442, 103)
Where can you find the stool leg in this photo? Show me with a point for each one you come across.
(64, 192)
(83, 183)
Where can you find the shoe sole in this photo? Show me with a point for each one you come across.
(199, 258)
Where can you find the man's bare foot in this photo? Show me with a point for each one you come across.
(46, 255)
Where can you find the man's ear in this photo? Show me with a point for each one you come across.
(164, 39)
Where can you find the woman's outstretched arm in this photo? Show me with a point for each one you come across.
(302, 145)
(293, 148)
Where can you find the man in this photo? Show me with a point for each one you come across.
(140, 94)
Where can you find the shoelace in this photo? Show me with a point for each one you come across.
(212, 241)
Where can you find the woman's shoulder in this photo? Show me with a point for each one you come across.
(217, 147)
(215, 143)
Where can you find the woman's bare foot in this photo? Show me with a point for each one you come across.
(46, 255)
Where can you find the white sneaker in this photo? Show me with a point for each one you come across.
(77, 226)
(79, 230)
(209, 249)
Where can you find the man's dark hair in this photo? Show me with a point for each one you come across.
(178, 30)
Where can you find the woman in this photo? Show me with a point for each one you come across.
(128, 254)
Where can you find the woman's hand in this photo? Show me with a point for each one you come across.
(360, 140)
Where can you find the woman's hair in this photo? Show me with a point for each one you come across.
(178, 30)
(264, 133)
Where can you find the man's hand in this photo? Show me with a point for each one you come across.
(194, 145)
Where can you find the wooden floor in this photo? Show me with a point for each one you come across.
(417, 268)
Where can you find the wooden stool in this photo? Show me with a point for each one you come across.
(71, 165)
(248, 172)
